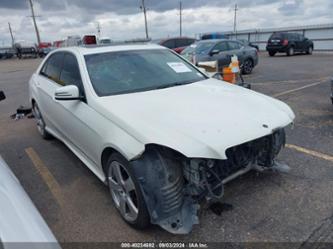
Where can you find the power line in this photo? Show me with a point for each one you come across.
(143, 7)
(180, 18)
(235, 21)
(34, 21)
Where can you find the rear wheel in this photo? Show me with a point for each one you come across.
(309, 50)
(40, 122)
(247, 66)
(271, 53)
(126, 193)
(291, 51)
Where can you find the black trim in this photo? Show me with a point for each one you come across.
(81, 98)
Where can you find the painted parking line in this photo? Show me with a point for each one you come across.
(310, 152)
(299, 88)
(46, 175)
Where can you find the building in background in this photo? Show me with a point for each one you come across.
(321, 35)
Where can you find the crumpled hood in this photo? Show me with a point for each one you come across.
(201, 119)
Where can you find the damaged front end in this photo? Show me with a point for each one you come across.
(173, 185)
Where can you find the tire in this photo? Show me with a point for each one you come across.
(271, 53)
(126, 192)
(291, 51)
(309, 50)
(247, 66)
(40, 123)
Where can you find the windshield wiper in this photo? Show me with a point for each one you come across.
(175, 84)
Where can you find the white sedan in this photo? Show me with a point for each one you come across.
(154, 128)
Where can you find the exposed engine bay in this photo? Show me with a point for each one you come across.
(173, 185)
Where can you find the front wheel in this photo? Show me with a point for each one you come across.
(247, 66)
(40, 122)
(126, 193)
(271, 53)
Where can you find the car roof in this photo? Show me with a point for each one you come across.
(96, 49)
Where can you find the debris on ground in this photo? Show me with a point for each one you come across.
(22, 112)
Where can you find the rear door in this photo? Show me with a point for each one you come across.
(293, 38)
(236, 48)
(303, 43)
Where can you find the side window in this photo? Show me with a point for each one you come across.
(222, 46)
(234, 45)
(43, 70)
(52, 67)
(70, 73)
(293, 37)
(169, 43)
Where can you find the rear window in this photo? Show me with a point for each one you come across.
(169, 44)
(184, 42)
(277, 36)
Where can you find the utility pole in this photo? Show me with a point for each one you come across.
(11, 34)
(180, 18)
(143, 7)
(99, 30)
(34, 21)
(235, 21)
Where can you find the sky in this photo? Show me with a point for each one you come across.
(123, 19)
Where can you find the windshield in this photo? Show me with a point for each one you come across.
(138, 70)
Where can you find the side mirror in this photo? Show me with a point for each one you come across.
(2, 95)
(214, 51)
(70, 92)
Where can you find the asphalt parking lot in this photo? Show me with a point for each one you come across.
(267, 207)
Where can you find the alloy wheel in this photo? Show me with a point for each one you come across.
(123, 191)
(247, 66)
(40, 121)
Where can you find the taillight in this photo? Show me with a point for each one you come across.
(285, 42)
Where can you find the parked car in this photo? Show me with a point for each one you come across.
(44, 48)
(26, 48)
(178, 44)
(289, 43)
(152, 126)
(222, 50)
(250, 44)
(104, 40)
(6, 53)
